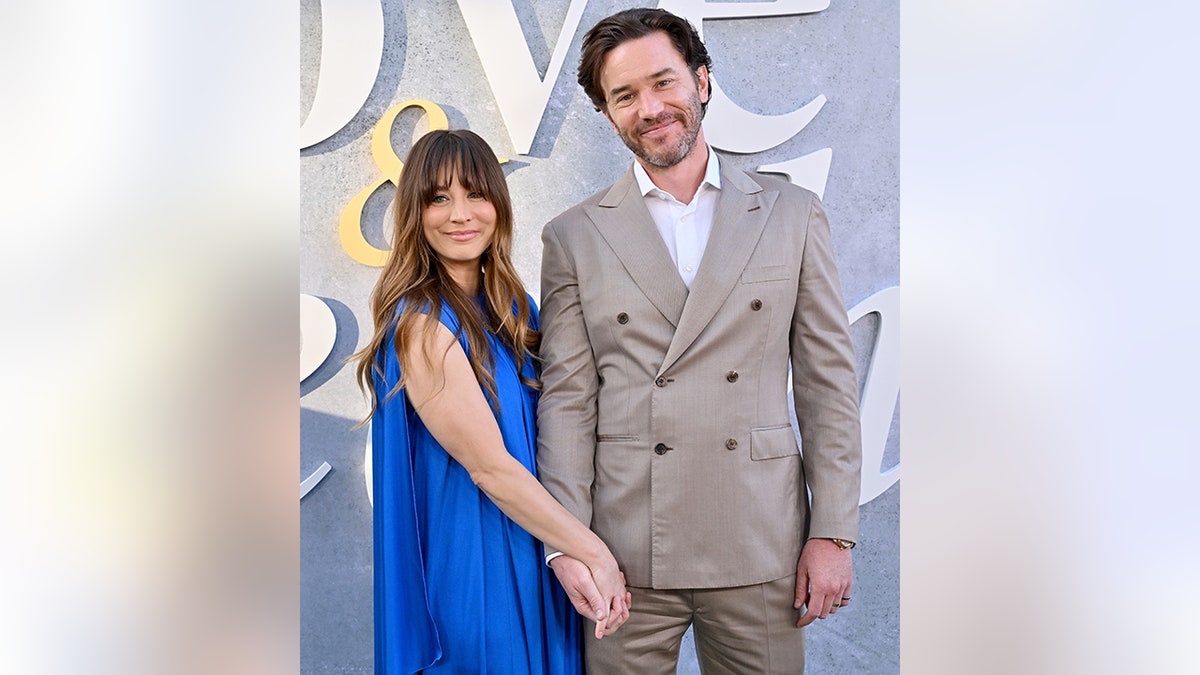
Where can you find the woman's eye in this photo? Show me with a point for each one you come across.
(438, 199)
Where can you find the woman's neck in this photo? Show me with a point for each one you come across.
(466, 277)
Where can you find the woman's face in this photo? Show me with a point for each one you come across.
(459, 225)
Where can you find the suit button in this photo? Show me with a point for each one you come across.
(660, 449)
(732, 376)
(660, 382)
(756, 304)
(622, 318)
(731, 444)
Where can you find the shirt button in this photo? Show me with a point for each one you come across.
(756, 304)
(622, 318)
(688, 268)
(660, 382)
(731, 444)
(660, 449)
(732, 376)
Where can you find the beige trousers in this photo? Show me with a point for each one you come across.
(741, 630)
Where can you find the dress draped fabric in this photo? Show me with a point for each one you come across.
(459, 587)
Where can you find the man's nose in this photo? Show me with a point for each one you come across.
(651, 105)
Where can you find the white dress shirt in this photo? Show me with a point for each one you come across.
(684, 227)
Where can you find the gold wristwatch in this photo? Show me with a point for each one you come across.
(842, 543)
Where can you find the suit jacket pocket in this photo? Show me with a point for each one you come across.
(773, 442)
(770, 273)
(615, 438)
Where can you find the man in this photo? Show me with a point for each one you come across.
(672, 304)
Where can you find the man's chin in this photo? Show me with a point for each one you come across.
(663, 160)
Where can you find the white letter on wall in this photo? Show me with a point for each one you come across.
(728, 126)
(810, 171)
(881, 391)
(351, 49)
(318, 333)
(520, 94)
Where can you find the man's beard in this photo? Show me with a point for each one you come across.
(673, 154)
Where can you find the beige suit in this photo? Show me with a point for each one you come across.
(663, 421)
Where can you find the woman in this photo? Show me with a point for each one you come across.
(460, 586)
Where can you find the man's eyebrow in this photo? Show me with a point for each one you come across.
(655, 75)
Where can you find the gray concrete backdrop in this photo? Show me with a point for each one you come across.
(848, 52)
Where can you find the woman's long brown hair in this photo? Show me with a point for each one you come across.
(416, 276)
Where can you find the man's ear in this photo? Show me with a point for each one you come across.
(702, 84)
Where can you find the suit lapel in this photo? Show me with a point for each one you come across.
(623, 221)
(741, 215)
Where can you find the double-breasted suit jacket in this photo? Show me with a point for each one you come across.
(663, 421)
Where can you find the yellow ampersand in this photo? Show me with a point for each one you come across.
(390, 166)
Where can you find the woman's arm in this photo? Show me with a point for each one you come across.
(449, 401)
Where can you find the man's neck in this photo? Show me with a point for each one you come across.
(682, 180)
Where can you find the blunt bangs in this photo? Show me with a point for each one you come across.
(453, 156)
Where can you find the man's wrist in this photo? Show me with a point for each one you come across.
(842, 544)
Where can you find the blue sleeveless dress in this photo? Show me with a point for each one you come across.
(459, 587)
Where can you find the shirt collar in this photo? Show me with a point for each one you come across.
(712, 175)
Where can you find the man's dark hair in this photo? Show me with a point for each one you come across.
(632, 24)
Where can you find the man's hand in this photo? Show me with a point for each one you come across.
(823, 578)
(576, 579)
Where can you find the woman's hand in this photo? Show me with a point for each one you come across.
(611, 582)
(598, 596)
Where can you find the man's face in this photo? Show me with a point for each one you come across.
(653, 100)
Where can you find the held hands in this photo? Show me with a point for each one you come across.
(823, 578)
(599, 595)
